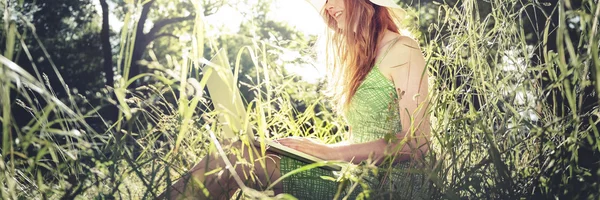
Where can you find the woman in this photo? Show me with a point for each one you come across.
(378, 78)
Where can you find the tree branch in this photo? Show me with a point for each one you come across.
(165, 22)
(144, 16)
(211, 7)
(164, 35)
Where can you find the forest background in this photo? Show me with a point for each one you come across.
(105, 98)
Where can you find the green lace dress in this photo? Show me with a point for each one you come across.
(372, 114)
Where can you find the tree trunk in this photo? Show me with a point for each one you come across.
(106, 47)
(140, 41)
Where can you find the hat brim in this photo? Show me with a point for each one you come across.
(398, 11)
(319, 4)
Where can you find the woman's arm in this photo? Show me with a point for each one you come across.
(404, 148)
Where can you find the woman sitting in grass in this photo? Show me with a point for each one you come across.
(379, 79)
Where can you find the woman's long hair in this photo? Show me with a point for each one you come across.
(355, 47)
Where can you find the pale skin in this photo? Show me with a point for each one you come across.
(336, 9)
(405, 69)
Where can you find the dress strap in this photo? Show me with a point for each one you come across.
(391, 43)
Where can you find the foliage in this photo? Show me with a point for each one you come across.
(513, 91)
(514, 97)
(68, 31)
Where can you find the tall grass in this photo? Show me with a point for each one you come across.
(504, 127)
(501, 117)
(486, 115)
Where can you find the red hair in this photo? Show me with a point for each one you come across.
(356, 46)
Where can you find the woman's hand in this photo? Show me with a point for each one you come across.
(311, 147)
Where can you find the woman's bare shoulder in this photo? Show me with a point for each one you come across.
(400, 52)
(404, 54)
(406, 43)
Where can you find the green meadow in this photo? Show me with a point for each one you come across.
(107, 99)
